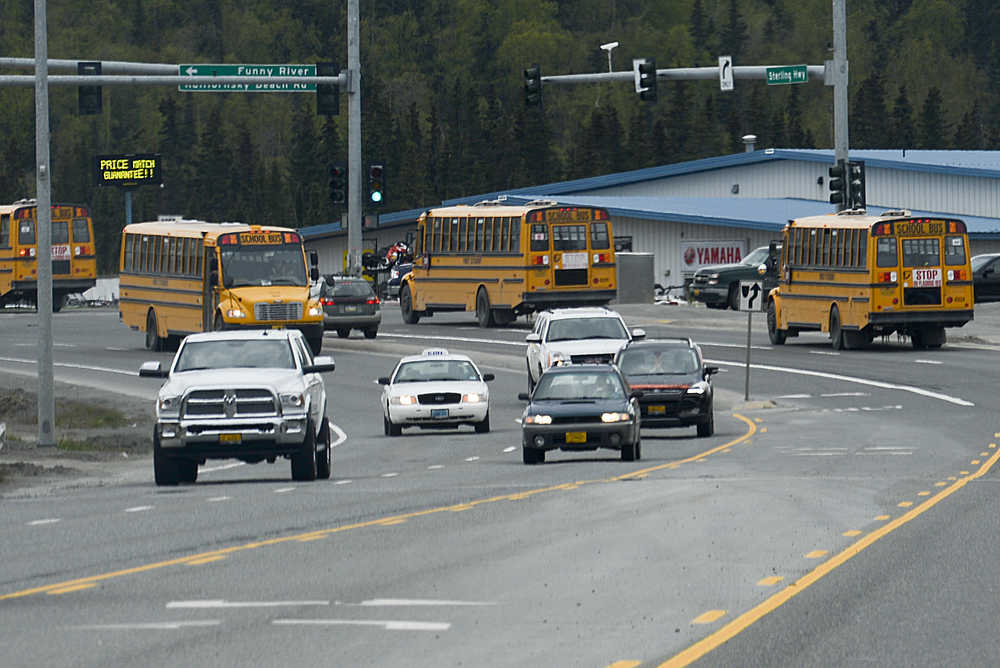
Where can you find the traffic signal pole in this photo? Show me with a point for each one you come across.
(354, 213)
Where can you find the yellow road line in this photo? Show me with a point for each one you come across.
(751, 616)
(205, 560)
(709, 617)
(770, 581)
(66, 590)
(625, 664)
(384, 521)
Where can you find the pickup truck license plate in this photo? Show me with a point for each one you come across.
(230, 438)
(439, 412)
(576, 437)
(657, 410)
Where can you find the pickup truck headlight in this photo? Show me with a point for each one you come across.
(473, 398)
(403, 400)
(235, 314)
(615, 417)
(169, 405)
(292, 400)
(698, 389)
(713, 279)
(538, 419)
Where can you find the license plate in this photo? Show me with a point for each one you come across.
(230, 438)
(657, 410)
(350, 309)
(439, 412)
(576, 437)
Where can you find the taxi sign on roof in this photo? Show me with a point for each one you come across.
(434, 352)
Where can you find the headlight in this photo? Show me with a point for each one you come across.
(403, 400)
(315, 310)
(538, 419)
(615, 417)
(235, 314)
(698, 389)
(714, 276)
(169, 404)
(473, 398)
(292, 400)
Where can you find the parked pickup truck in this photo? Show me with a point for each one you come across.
(251, 395)
(717, 286)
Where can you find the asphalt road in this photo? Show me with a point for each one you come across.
(842, 516)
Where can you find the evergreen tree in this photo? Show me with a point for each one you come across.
(638, 147)
(212, 162)
(869, 119)
(677, 132)
(736, 36)
(306, 169)
(701, 28)
(795, 132)
(902, 131)
(934, 130)
(971, 132)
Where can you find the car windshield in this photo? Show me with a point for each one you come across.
(978, 261)
(757, 256)
(235, 353)
(419, 372)
(571, 329)
(350, 289)
(579, 385)
(666, 361)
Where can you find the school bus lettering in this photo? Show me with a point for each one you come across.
(567, 215)
(916, 229)
(261, 238)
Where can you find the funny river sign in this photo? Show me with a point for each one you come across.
(201, 77)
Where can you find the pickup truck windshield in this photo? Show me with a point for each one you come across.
(236, 353)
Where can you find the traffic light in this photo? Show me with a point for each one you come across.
(533, 86)
(338, 184)
(856, 184)
(647, 80)
(89, 97)
(838, 185)
(376, 184)
(327, 96)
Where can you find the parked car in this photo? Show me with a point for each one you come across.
(580, 407)
(575, 336)
(434, 390)
(676, 384)
(395, 278)
(350, 303)
(986, 277)
(718, 286)
(251, 395)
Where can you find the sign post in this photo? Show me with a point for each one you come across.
(751, 297)
(201, 76)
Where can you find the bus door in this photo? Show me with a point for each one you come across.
(539, 257)
(569, 255)
(211, 279)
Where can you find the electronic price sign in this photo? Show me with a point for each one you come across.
(128, 171)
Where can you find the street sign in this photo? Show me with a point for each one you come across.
(788, 74)
(201, 75)
(726, 72)
(751, 296)
(128, 171)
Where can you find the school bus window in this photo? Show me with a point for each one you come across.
(838, 249)
(795, 252)
(599, 236)
(488, 236)
(436, 239)
(921, 253)
(418, 242)
(453, 239)
(505, 235)
(26, 233)
(515, 234)
(954, 251)
(498, 223)
(5, 231)
(863, 248)
(480, 222)
(179, 256)
(886, 253)
(539, 237)
(81, 231)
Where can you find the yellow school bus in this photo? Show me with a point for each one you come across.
(74, 257)
(858, 276)
(185, 276)
(502, 260)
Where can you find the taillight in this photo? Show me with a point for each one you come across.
(326, 302)
(602, 258)
(541, 259)
(887, 277)
(376, 300)
(956, 274)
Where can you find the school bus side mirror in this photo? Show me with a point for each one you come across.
(313, 259)
(314, 273)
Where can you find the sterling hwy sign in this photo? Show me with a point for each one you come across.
(789, 74)
(201, 76)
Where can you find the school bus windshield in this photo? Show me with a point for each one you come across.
(263, 265)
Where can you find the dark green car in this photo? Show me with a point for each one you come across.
(718, 286)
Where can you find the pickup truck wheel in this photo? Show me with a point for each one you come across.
(188, 470)
(532, 455)
(707, 428)
(164, 468)
(371, 332)
(324, 456)
(734, 296)
(304, 461)
(343, 332)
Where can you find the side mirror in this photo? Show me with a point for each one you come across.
(711, 370)
(313, 259)
(314, 273)
(383, 380)
(533, 338)
(152, 370)
(638, 333)
(488, 377)
(524, 396)
(321, 364)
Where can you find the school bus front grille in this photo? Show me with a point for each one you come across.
(283, 311)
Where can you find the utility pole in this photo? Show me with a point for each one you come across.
(354, 206)
(837, 71)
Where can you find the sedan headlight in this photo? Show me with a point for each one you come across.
(235, 314)
(403, 400)
(169, 405)
(292, 400)
(615, 417)
(538, 419)
(698, 389)
(473, 398)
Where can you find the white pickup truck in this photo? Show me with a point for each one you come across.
(251, 395)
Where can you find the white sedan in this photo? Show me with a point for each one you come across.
(434, 390)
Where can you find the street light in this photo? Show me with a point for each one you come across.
(609, 47)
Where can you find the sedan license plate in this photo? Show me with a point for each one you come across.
(576, 437)
(657, 410)
(230, 438)
(439, 412)
(350, 309)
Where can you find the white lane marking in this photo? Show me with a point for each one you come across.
(341, 437)
(138, 509)
(846, 394)
(817, 454)
(73, 366)
(50, 520)
(35, 345)
(851, 379)
(510, 449)
(471, 459)
(222, 467)
(343, 482)
(455, 338)
(928, 362)
(795, 396)
(435, 467)
(391, 625)
(823, 352)
(147, 626)
(216, 499)
(389, 475)
(116, 350)
(380, 602)
(517, 420)
(889, 447)
(284, 490)
(203, 605)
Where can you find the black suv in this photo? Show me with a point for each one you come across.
(674, 385)
(718, 286)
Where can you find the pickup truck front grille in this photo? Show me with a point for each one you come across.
(225, 403)
(282, 311)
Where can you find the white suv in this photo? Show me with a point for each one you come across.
(575, 336)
